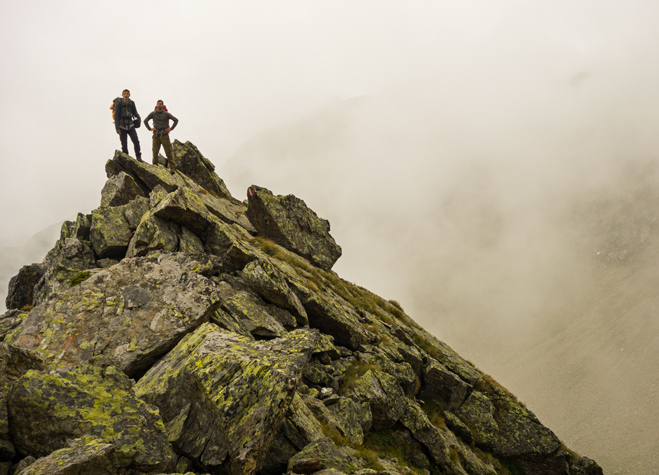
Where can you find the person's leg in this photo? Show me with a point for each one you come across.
(167, 145)
(136, 143)
(155, 148)
(123, 137)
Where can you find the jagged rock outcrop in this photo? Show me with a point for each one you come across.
(49, 411)
(290, 223)
(133, 312)
(176, 329)
(14, 363)
(21, 286)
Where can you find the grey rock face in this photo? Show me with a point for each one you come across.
(443, 385)
(146, 176)
(21, 286)
(47, 410)
(86, 455)
(271, 285)
(384, 396)
(288, 221)
(14, 362)
(64, 262)
(252, 384)
(110, 232)
(250, 355)
(119, 190)
(192, 163)
(11, 320)
(195, 425)
(133, 312)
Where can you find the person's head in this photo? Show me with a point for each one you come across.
(125, 93)
(160, 105)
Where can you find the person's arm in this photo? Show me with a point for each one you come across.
(171, 117)
(146, 121)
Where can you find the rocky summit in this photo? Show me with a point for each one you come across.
(176, 329)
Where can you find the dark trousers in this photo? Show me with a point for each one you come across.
(163, 139)
(132, 133)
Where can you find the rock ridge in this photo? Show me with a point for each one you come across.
(176, 329)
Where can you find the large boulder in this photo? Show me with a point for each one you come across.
(112, 227)
(21, 286)
(110, 233)
(78, 229)
(146, 176)
(267, 281)
(288, 221)
(85, 455)
(443, 385)
(119, 190)
(11, 320)
(500, 424)
(352, 419)
(417, 422)
(228, 210)
(332, 315)
(68, 261)
(251, 383)
(384, 396)
(321, 455)
(445, 449)
(14, 363)
(185, 207)
(195, 426)
(133, 312)
(301, 426)
(153, 234)
(48, 410)
(250, 312)
(192, 163)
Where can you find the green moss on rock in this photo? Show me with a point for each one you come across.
(94, 400)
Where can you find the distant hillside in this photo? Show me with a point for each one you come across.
(15, 257)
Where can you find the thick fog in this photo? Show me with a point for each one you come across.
(521, 229)
(492, 166)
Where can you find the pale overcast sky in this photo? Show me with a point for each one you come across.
(228, 70)
(478, 105)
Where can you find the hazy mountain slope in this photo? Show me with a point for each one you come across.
(503, 234)
(15, 257)
(603, 352)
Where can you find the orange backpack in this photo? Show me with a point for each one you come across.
(112, 107)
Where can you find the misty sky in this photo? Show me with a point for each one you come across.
(228, 70)
(513, 106)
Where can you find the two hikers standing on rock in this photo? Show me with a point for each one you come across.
(127, 119)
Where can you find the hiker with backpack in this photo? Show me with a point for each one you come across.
(161, 130)
(126, 120)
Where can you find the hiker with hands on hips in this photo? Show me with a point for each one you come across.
(161, 130)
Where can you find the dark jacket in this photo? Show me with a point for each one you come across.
(160, 121)
(124, 114)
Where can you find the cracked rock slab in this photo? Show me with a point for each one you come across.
(251, 383)
(133, 312)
